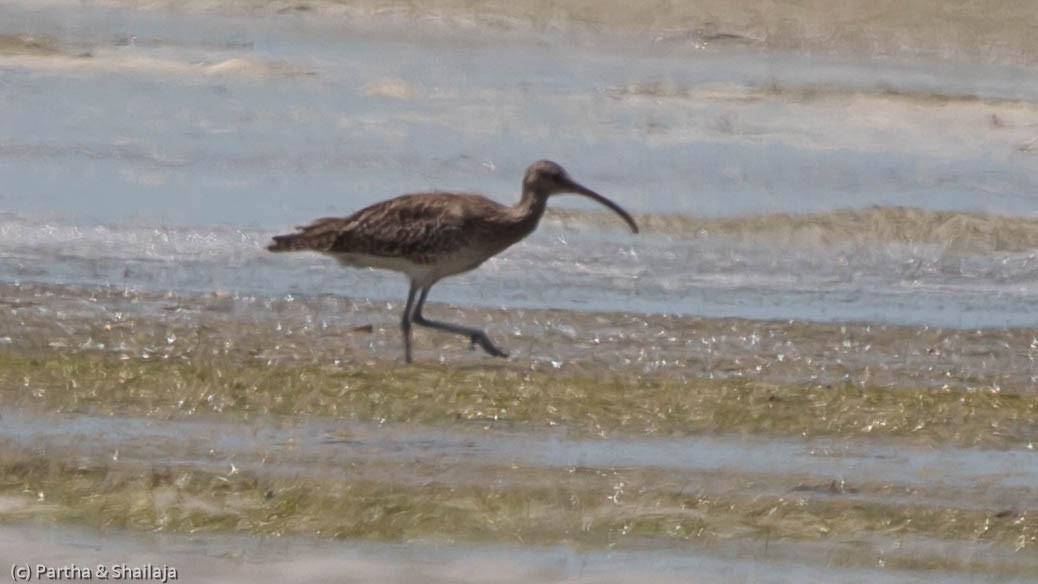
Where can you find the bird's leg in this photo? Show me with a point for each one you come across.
(475, 335)
(405, 323)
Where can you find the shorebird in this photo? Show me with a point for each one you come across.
(429, 236)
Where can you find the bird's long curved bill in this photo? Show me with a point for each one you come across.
(582, 190)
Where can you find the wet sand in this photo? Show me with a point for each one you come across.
(610, 448)
(326, 329)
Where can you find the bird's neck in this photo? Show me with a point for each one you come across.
(528, 212)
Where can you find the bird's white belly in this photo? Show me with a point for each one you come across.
(424, 274)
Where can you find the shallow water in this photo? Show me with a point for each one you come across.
(846, 471)
(567, 266)
(826, 198)
(192, 139)
(238, 558)
(955, 476)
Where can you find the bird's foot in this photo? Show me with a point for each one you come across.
(486, 345)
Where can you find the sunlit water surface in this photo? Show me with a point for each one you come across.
(156, 152)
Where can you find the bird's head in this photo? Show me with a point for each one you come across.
(545, 178)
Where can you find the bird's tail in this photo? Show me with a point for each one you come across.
(290, 242)
(317, 236)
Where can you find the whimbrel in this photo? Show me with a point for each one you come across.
(429, 236)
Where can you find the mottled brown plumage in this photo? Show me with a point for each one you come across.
(429, 236)
(421, 228)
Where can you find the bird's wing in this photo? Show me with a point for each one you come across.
(417, 227)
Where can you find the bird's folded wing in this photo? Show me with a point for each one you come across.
(411, 226)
